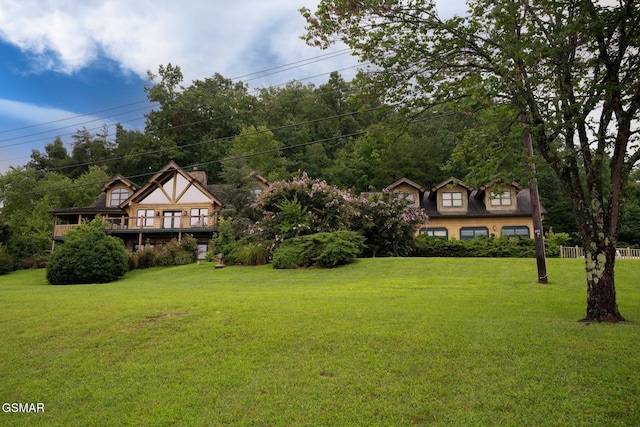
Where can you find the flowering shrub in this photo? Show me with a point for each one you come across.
(306, 206)
(300, 207)
(387, 224)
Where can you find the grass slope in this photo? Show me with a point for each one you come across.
(444, 342)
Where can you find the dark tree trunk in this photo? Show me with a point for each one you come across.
(601, 293)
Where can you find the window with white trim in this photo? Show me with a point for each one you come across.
(452, 199)
(501, 198)
(468, 233)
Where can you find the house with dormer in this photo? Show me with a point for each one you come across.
(458, 211)
(174, 202)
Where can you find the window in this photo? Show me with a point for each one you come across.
(118, 195)
(501, 198)
(171, 219)
(145, 217)
(409, 198)
(468, 233)
(450, 200)
(436, 232)
(199, 217)
(516, 231)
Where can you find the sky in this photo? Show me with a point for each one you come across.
(67, 65)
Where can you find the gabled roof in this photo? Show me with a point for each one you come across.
(482, 190)
(449, 181)
(405, 181)
(121, 179)
(157, 182)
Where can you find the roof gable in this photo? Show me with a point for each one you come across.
(170, 186)
(119, 179)
(405, 181)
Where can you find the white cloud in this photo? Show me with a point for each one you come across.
(201, 36)
(32, 114)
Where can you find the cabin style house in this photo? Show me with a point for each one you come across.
(457, 211)
(174, 202)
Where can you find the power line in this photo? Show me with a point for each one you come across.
(255, 91)
(243, 156)
(270, 71)
(226, 138)
(71, 118)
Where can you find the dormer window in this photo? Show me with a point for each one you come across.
(118, 195)
(409, 198)
(452, 199)
(501, 198)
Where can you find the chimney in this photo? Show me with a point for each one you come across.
(200, 176)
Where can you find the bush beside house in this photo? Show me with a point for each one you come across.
(175, 252)
(88, 255)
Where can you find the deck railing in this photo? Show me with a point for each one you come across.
(147, 223)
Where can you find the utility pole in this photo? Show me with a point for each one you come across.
(538, 233)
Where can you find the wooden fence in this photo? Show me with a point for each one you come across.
(578, 252)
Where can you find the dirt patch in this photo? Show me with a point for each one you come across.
(163, 316)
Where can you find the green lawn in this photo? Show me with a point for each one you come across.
(388, 342)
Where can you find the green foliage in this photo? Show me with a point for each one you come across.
(88, 255)
(302, 206)
(487, 247)
(224, 243)
(251, 254)
(6, 261)
(174, 252)
(553, 241)
(387, 223)
(326, 250)
(27, 195)
(143, 258)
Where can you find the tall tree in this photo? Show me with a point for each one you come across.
(570, 68)
(199, 120)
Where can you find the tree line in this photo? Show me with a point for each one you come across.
(329, 131)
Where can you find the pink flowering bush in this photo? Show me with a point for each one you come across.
(387, 223)
(301, 207)
(306, 206)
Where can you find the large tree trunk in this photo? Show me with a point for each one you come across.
(601, 292)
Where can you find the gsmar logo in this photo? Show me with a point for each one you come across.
(22, 407)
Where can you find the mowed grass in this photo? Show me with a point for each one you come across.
(388, 342)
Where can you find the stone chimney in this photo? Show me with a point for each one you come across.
(200, 176)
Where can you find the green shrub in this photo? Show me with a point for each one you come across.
(251, 254)
(493, 247)
(324, 250)
(224, 243)
(88, 255)
(288, 256)
(143, 258)
(177, 253)
(553, 241)
(6, 262)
